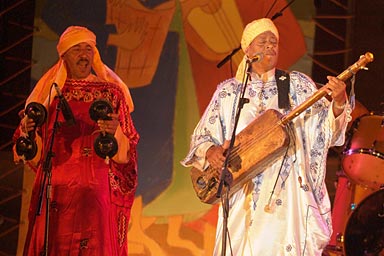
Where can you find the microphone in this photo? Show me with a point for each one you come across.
(255, 58)
(65, 109)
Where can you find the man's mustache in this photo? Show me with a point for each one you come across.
(83, 60)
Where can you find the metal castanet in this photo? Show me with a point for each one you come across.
(26, 146)
(259, 144)
(105, 144)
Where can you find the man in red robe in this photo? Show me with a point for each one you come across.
(91, 194)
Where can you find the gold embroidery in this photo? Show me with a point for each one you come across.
(78, 90)
(86, 151)
(122, 228)
(88, 97)
(97, 94)
(84, 244)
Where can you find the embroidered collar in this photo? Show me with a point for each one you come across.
(264, 78)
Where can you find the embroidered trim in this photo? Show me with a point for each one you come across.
(90, 91)
(125, 185)
(122, 228)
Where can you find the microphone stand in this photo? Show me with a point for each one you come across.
(280, 13)
(228, 57)
(226, 176)
(47, 169)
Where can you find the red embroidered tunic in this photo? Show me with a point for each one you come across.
(90, 199)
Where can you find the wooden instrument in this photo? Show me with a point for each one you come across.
(259, 144)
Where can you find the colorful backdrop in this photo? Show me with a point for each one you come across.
(167, 52)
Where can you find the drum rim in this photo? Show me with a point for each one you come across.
(366, 151)
(371, 113)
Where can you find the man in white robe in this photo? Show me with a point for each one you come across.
(285, 210)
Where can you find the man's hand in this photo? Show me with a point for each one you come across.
(336, 89)
(27, 124)
(215, 155)
(109, 126)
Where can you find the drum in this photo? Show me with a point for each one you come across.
(348, 196)
(364, 234)
(363, 156)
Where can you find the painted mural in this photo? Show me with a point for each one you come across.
(167, 51)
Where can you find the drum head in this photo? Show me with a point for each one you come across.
(364, 234)
(363, 159)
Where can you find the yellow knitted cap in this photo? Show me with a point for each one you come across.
(255, 28)
(251, 31)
